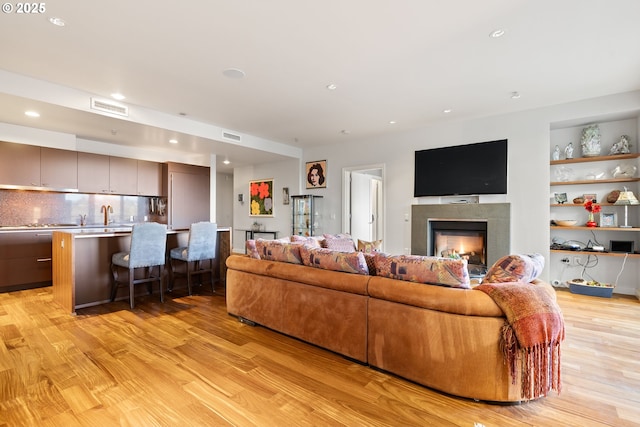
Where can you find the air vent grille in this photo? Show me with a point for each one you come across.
(109, 107)
(231, 136)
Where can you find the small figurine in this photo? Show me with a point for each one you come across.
(556, 153)
(622, 146)
(568, 151)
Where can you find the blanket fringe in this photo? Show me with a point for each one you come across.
(539, 365)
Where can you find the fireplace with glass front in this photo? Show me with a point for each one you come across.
(466, 239)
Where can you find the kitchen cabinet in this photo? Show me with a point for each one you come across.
(188, 195)
(58, 169)
(149, 178)
(19, 165)
(25, 260)
(123, 176)
(32, 166)
(93, 173)
(107, 174)
(307, 215)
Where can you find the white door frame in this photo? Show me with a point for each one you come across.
(346, 195)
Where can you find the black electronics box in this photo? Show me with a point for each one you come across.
(624, 246)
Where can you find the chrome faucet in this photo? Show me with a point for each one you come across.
(106, 210)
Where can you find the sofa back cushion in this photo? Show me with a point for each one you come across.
(348, 262)
(424, 269)
(339, 242)
(515, 268)
(275, 250)
(313, 241)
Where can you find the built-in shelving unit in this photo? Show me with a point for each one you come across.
(574, 178)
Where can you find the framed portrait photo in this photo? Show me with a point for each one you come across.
(608, 220)
(316, 174)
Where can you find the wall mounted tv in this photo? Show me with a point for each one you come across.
(470, 169)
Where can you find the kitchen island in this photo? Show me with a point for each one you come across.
(82, 262)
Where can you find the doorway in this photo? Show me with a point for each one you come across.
(363, 202)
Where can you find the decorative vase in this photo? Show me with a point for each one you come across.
(590, 141)
(591, 222)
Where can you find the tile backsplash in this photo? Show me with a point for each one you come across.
(18, 207)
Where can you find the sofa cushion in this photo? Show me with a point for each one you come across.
(275, 250)
(424, 269)
(314, 241)
(339, 242)
(368, 247)
(515, 268)
(348, 262)
(370, 259)
(251, 248)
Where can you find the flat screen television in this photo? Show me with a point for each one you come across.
(470, 169)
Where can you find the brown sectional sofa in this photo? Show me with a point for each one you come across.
(444, 338)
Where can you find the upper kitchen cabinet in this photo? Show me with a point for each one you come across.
(59, 169)
(123, 176)
(19, 165)
(105, 174)
(149, 178)
(32, 166)
(93, 173)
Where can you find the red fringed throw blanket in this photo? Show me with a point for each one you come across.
(532, 335)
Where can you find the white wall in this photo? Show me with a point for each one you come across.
(528, 133)
(284, 174)
(224, 199)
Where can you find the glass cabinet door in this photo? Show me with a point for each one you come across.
(307, 215)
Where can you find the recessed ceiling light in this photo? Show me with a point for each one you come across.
(173, 141)
(497, 33)
(447, 111)
(59, 22)
(345, 132)
(515, 95)
(332, 86)
(226, 161)
(233, 73)
(32, 113)
(392, 122)
(118, 96)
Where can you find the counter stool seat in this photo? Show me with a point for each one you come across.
(198, 257)
(147, 250)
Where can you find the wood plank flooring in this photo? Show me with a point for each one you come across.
(188, 363)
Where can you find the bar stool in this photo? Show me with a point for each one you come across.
(203, 237)
(147, 250)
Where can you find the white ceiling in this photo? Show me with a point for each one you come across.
(400, 60)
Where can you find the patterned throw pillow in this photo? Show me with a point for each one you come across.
(339, 242)
(348, 262)
(274, 250)
(370, 259)
(424, 269)
(313, 241)
(252, 251)
(368, 247)
(515, 268)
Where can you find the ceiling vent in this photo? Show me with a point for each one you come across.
(231, 136)
(109, 107)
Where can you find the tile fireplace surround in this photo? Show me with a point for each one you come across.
(497, 215)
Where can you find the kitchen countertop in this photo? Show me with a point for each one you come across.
(86, 231)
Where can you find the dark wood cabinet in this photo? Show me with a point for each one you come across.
(25, 260)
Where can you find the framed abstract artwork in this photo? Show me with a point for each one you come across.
(261, 197)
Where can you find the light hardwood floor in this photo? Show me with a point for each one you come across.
(187, 362)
